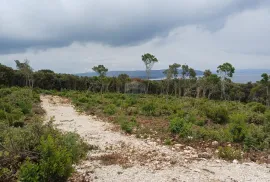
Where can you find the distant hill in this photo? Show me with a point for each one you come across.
(134, 74)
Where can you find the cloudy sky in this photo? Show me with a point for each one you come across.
(73, 36)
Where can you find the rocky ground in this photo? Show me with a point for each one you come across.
(119, 157)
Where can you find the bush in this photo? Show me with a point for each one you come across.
(29, 172)
(229, 153)
(32, 150)
(180, 126)
(56, 161)
(149, 108)
(238, 127)
(218, 114)
(127, 125)
(255, 139)
(110, 109)
(257, 107)
(83, 99)
(256, 118)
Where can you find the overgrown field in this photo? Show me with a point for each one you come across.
(29, 149)
(191, 120)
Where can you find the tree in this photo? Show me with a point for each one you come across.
(101, 70)
(207, 73)
(149, 61)
(123, 79)
(6, 75)
(265, 82)
(174, 71)
(169, 75)
(212, 84)
(225, 71)
(27, 71)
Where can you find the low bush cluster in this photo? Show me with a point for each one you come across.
(29, 149)
(200, 119)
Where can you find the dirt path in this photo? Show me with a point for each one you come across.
(125, 158)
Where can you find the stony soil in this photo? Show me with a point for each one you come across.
(120, 157)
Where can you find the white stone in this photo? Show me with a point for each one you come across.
(215, 143)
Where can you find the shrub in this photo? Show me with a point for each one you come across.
(83, 99)
(255, 139)
(218, 114)
(238, 127)
(110, 109)
(229, 153)
(29, 172)
(180, 126)
(2, 115)
(257, 107)
(56, 161)
(127, 125)
(256, 118)
(149, 108)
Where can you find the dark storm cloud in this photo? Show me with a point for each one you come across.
(57, 23)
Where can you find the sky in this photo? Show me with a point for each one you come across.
(70, 36)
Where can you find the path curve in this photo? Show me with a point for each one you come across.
(125, 158)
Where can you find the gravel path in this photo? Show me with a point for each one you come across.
(119, 157)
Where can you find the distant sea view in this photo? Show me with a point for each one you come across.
(239, 77)
(244, 77)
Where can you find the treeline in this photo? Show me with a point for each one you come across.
(212, 86)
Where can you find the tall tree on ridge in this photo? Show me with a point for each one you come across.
(149, 61)
(225, 71)
(102, 71)
(27, 71)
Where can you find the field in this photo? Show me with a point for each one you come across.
(198, 122)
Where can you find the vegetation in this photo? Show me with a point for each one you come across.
(181, 119)
(190, 109)
(29, 149)
(211, 86)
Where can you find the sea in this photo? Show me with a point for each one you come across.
(239, 77)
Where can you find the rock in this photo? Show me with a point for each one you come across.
(235, 161)
(178, 145)
(215, 143)
(217, 161)
(189, 148)
(229, 145)
(205, 155)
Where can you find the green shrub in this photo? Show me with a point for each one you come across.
(218, 114)
(256, 139)
(110, 109)
(127, 125)
(229, 153)
(149, 108)
(56, 161)
(26, 107)
(257, 107)
(256, 118)
(83, 99)
(180, 126)
(29, 172)
(2, 115)
(238, 127)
